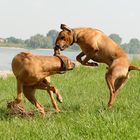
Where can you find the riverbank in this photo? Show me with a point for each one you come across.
(5, 74)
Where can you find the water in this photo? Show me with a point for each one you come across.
(7, 54)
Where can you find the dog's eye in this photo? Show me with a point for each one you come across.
(62, 37)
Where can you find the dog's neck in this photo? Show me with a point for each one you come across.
(57, 66)
(74, 38)
(63, 67)
(76, 34)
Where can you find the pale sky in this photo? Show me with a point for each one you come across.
(24, 18)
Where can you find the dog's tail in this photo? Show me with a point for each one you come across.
(132, 67)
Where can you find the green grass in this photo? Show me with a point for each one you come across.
(85, 95)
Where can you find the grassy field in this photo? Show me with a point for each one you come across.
(85, 95)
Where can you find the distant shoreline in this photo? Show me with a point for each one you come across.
(12, 47)
(68, 50)
(25, 48)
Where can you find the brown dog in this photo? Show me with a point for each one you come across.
(97, 46)
(32, 72)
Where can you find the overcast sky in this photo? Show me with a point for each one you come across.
(24, 18)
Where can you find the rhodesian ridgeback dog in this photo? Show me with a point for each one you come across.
(100, 48)
(33, 72)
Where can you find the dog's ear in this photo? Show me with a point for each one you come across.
(64, 27)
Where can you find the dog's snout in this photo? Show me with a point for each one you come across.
(58, 47)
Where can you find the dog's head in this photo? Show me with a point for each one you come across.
(66, 63)
(65, 39)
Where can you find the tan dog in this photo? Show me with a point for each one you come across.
(32, 72)
(97, 46)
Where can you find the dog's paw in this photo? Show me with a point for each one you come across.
(58, 111)
(59, 99)
(109, 105)
(93, 64)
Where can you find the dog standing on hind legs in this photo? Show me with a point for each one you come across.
(33, 72)
(97, 46)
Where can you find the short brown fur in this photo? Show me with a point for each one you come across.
(33, 72)
(100, 48)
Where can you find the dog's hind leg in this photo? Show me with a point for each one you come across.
(116, 78)
(110, 83)
(29, 93)
(120, 82)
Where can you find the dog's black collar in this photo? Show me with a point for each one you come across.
(63, 64)
(74, 38)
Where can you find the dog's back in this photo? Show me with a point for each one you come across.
(19, 61)
(26, 67)
(31, 68)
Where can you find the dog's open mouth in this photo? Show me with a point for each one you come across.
(57, 48)
(62, 49)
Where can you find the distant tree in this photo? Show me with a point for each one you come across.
(134, 46)
(53, 35)
(40, 41)
(125, 47)
(14, 40)
(116, 38)
(37, 41)
(49, 42)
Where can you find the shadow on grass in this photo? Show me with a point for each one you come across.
(50, 112)
(4, 114)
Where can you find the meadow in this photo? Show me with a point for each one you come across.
(84, 114)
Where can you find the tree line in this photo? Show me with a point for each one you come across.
(39, 41)
(132, 47)
(47, 42)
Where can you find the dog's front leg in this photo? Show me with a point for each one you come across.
(29, 93)
(19, 91)
(79, 56)
(51, 90)
(58, 96)
(53, 100)
(47, 81)
(85, 60)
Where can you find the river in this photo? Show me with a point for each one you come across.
(7, 54)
